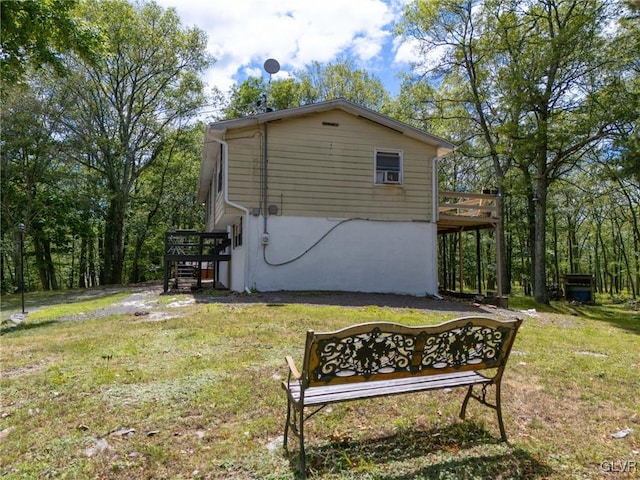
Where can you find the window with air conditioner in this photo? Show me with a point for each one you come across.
(388, 167)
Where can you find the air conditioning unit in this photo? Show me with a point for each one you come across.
(390, 177)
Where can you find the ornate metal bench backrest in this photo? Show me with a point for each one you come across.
(381, 350)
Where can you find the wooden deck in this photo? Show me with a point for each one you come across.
(185, 252)
(465, 211)
(460, 211)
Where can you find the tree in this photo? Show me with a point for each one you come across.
(120, 110)
(531, 77)
(459, 99)
(36, 190)
(342, 79)
(37, 32)
(316, 83)
(628, 139)
(164, 199)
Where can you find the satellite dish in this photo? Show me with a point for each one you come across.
(272, 66)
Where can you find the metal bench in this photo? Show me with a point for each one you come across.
(380, 358)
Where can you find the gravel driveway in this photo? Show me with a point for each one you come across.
(144, 300)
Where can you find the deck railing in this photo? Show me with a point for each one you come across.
(466, 204)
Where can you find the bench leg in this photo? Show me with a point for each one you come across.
(503, 433)
(497, 407)
(295, 422)
(303, 460)
(463, 410)
(286, 425)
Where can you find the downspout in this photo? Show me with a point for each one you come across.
(436, 217)
(264, 180)
(436, 192)
(245, 227)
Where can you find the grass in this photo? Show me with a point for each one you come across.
(198, 396)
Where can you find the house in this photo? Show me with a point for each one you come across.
(329, 196)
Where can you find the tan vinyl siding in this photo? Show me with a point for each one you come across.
(245, 166)
(323, 170)
(220, 208)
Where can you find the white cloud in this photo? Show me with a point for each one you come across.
(244, 33)
(406, 51)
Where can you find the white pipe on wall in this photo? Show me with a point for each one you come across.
(245, 220)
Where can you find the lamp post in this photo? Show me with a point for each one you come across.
(22, 229)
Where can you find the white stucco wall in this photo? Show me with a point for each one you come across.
(237, 270)
(357, 255)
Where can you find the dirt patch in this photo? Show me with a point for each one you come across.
(25, 370)
(144, 302)
(356, 299)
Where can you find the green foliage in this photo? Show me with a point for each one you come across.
(247, 98)
(530, 90)
(120, 111)
(316, 83)
(36, 188)
(106, 157)
(342, 79)
(164, 199)
(38, 32)
(254, 96)
(628, 93)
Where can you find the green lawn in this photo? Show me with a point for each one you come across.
(198, 396)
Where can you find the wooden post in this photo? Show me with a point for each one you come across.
(478, 262)
(499, 259)
(200, 251)
(460, 262)
(166, 276)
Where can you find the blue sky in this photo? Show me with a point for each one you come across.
(244, 33)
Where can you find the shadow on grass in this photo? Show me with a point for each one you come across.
(454, 452)
(4, 329)
(626, 319)
(343, 299)
(620, 315)
(35, 300)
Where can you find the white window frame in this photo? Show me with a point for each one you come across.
(377, 173)
(236, 231)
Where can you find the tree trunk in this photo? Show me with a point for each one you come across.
(18, 260)
(113, 248)
(540, 246)
(452, 262)
(596, 254)
(636, 238)
(51, 270)
(501, 243)
(82, 268)
(556, 266)
(39, 261)
(445, 274)
(532, 240)
(627, 264)
(135, 275)
(605, 262)
(508, 262)
(44, 262)
(573, 245)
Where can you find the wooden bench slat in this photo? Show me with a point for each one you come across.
(351, 391)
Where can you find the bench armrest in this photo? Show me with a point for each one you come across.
(292, 368)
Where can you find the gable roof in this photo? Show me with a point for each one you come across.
(443, 147)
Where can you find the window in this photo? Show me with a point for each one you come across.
(237, 234)
(220, 177)
(388, 165)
